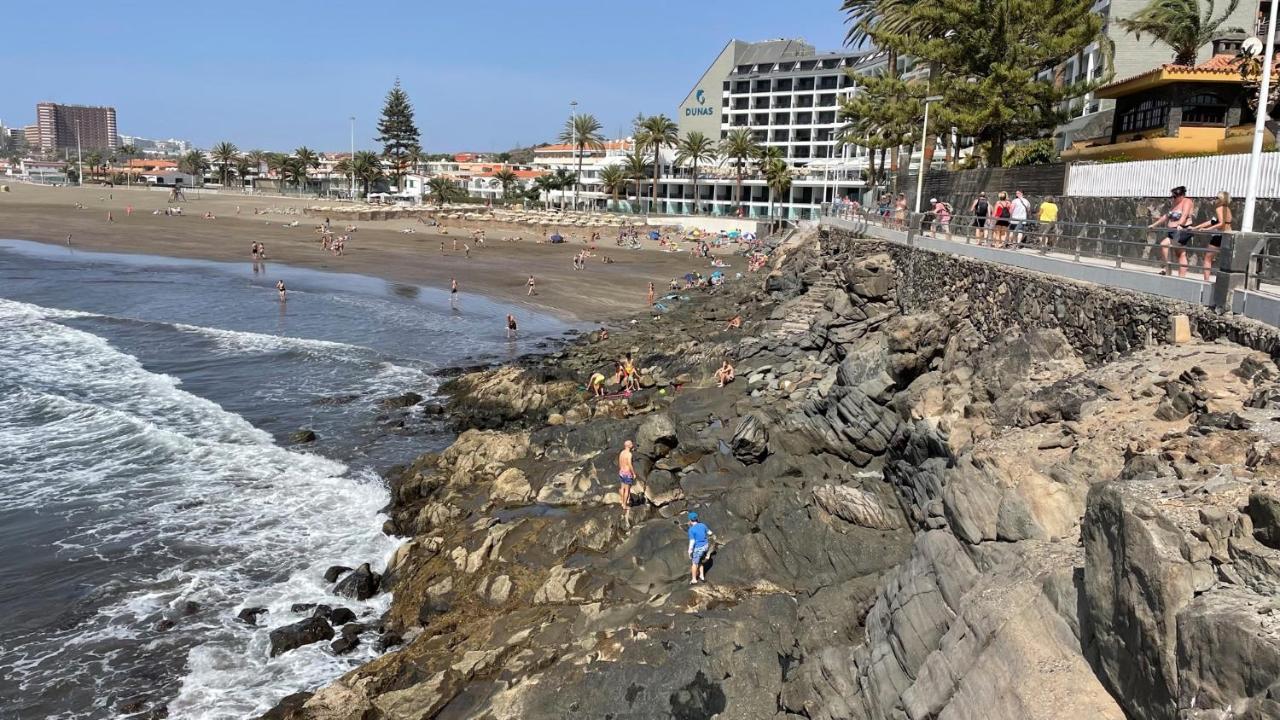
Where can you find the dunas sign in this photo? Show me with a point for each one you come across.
(701, 108)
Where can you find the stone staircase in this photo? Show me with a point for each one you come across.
(796, 316)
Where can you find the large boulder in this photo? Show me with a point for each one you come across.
(360, 584)
(750, 442)
(304, 632)
(656, 436)
(856, 506)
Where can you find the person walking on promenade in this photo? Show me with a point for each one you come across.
(1048, 218)
(699, 543)
(1178, 220)
(1020, 210)
(900, 212)
(626, 478)
(1219, 224)
(1002, 211)
(942, 215)
(980, 209)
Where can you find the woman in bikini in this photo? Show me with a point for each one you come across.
(1178, 220)
(1219, 224)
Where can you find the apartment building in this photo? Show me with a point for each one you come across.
(64, 127)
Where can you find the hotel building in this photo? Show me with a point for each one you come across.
(60, 126)
(789, 96)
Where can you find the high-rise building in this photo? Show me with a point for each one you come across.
(61, 126)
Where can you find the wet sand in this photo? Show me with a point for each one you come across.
(499, 269)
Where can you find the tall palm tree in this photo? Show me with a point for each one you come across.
(614, 178)
(307, 160)
(867, 16)
(1181, 25)
(368, 168)
(244, 167)
(741, 147)
(657, 132)
(507, 177)
(777, 174)
(224, 155)
(695, 148)
(443, 190)
(93, 160)
(257, 157)
(284, 166)
(582, 131)
(415, 158)
(636, 168)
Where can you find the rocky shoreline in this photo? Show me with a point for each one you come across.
(916, 516)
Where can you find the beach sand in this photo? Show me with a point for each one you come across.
(378, 248)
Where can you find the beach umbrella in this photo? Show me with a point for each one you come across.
(654, 235)
(748, 236)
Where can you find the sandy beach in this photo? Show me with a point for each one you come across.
(377, 248)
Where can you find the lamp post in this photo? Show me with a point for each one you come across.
(351, 163)
(573, 148)
(1260, 123)
(924, 140)
(79, 158)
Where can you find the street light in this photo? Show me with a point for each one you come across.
(924, 140)
(1260, 123)
(79, 158)
(351, 163)
(573, 147)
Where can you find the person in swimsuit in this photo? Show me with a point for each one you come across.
(280, 288)
(725, 374)
(532, 290)
(597, 384)
(511, 326)
(1178, 219)
(651, 293)
(631, 376)
(1221, 223)
(453, 292)
(626, 478)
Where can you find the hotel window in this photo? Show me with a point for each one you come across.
(804, 118)
(782, 102)
(759, 135)
(782, 118)
(1205, 108)
(781, 135)
(740, 103)
(805, 83)
(1146, 115)
(826, 118)
(827, 100)
(761, 86)
(742, 86)
(760, 119)
(828, 82)
(808, 64)
(783, 85)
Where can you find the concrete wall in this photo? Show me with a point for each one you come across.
(961, 188)
(1102, 323)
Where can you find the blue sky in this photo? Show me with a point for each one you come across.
(276, 74)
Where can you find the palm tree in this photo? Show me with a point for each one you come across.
(693, 149)
(443, 190)
(583, 131)
(127, 153)
(741, 147)
(93, 160)
(866, 16)
(777, 174)
(636, 168)
(224, 154)
(284, 166)
(244, 166)
(614, 178)
(415, 158)
(545, 184)
(1180, 25)
(368, 168)
(563, 180)
(307, 159)
(257, 157)
(657, 132)
(507, 177)
(194, 164)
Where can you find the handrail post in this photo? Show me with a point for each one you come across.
(1233, 267)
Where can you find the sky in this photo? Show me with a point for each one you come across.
(277, 74)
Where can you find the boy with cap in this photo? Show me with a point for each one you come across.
(699, 543)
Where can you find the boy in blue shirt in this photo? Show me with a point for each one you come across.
(698, 545)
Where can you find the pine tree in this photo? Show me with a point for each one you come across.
(988, 59)
(397, 132)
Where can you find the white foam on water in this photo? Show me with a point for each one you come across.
(146, 475)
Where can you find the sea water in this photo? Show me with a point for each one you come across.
(148, 490)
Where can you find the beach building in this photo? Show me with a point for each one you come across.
(171, 147)
(591, 193)
(64, 127)
(1175, 110)
(1092, 115)
(44, 172)
(788, 94)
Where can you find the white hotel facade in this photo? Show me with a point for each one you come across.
(789, 96)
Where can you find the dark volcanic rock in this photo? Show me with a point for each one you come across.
(302, 437)
(289, 708)
(303, 632)
(334, 572)
(408, 399)
(361, 584)
(341, 616)
(344, 644)
(250, 615)
(750, 441)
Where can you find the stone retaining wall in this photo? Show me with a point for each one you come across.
(1102, 323)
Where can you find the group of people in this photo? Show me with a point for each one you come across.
(699, 535)
(1007, 223)
(1181, 228)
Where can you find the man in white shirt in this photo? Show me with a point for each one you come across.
(1019, 212)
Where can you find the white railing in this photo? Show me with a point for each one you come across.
(1202, 176)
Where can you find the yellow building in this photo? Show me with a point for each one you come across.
(1176, 110)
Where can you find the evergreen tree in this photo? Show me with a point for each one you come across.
(396, 132)
(988, 60)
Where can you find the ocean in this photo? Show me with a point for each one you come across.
(148, 487)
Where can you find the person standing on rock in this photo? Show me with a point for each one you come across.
(699, 543)
(626, 478)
